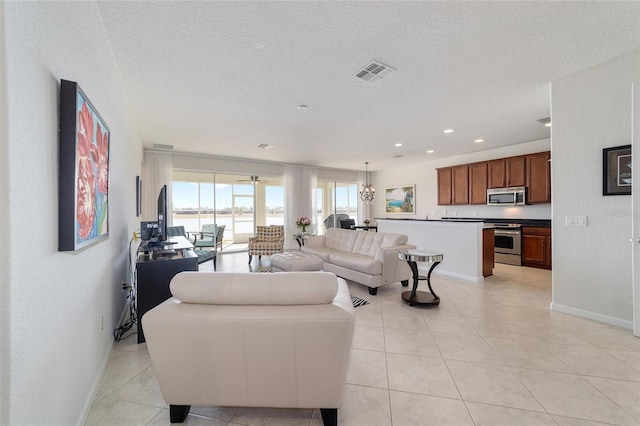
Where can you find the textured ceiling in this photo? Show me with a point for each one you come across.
(222, 77)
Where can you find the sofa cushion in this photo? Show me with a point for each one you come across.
(290, 288)
(368, 243)
(357, 262)
(340, 239)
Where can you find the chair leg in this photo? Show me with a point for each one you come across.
(214, 262)
(250, 256)
(329, 416)
(177, 413)
(373, 291)
(405, 283)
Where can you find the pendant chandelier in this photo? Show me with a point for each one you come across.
(367, 193)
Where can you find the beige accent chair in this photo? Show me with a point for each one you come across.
(252, 340)
(268, 240)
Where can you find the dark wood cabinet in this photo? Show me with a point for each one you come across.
(478, 183)
(539, 178)
(488, 251)
(515, 171)
(453, 185)
(536, 247)
(497, 174)
(468, 183)
(444, 186)
(460, 184)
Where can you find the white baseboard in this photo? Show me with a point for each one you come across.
(592, 316)
(98, 380)
(453, 274)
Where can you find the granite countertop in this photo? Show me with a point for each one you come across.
(543, 223)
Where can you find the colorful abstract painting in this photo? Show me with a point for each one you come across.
(88, 155)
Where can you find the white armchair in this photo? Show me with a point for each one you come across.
(247, 339)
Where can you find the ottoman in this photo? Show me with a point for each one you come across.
(295, 261)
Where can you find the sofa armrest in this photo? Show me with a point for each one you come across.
(314, 241)
(394, 269)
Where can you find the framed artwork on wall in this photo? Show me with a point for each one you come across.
(83, 177)
(616, 170)
(138, 196)
(400, 199)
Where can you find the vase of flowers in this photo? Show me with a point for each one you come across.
(303, 222)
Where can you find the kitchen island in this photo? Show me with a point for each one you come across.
(467, 245)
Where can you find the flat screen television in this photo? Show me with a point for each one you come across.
(154, 234)
(162, 214)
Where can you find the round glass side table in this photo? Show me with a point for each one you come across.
(412, 257)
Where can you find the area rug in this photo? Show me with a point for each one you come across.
(358, 301)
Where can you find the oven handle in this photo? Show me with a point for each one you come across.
(502, 232)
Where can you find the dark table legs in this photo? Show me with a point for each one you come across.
(415, 297)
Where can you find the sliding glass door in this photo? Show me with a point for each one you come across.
(240, 202)
(335, 200)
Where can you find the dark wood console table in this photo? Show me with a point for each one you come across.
(155, 269)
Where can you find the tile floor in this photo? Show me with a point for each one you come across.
(490, 354)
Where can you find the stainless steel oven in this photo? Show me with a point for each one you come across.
(508, 244)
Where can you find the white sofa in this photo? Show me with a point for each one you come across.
(252, 340)
(368, 258)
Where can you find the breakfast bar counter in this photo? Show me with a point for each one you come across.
(467, 245)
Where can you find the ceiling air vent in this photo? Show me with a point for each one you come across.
(163, 146)
(374, 71)
(396, 156)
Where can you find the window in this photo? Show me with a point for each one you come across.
(335, 198)
(238, 201)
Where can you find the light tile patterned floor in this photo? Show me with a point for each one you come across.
(490, 354)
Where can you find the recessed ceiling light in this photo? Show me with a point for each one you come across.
(430, 151)
(479, 140)
(396, 156)
(448, 131)
(397, 144)
(303, 107)
(265, 146)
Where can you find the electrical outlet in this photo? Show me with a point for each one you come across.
(444, 212)
(101, 322)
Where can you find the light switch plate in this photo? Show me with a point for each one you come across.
(575, 221)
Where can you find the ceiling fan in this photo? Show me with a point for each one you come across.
(254, 179)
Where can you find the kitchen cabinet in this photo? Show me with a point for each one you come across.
(444, 186)
(460, 184)
(515, 171)
(478, 183)
(453, 185)
(488, 251)
(536, 247)
(468, 183)
(539, 178)
(497, 173)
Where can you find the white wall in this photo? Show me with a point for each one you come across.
(591, 110)
(425, 177)
(4, 230)
(56, 348)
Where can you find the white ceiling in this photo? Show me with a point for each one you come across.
(222, 77)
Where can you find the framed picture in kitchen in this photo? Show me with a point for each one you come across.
(616, 170)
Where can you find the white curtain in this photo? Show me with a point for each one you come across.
(300, 185)
(157, 170)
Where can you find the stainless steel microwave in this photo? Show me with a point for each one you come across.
(515, 196)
